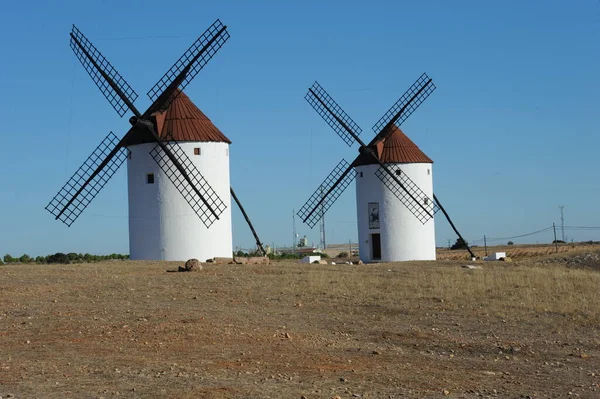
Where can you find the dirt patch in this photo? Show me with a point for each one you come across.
(287, 330)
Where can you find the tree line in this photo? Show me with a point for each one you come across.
(63, 258)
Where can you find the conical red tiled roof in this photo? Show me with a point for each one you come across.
(396, 148)
(182, 121)
(185, 122)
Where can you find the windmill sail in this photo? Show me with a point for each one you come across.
(88, 180)
(194, 188)
(405, 106)
(112, 85)
(333, 114)
(327, 193)
(188, 66)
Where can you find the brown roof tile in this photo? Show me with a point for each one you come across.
(396, 148)
(184, 122)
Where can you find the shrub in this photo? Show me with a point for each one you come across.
(459, 244)
(343, 254)
(510, 243)
(58, 257)
(8, 259)
(25, 258)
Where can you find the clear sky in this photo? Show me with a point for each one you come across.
(513, 127)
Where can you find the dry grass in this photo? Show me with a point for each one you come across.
(518, 251)
(129, 329)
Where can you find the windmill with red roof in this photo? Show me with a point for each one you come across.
(394, 181)
(177, 161)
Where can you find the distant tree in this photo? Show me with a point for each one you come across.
(25, 258)
(8, 259)
(459, 244)
(510, 243)
(558, 242)
(72, 256)
(40, 259)
(58, 257)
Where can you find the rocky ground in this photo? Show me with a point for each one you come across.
(420, 329)
(586, 260)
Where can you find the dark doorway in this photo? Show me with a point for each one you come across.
(376, 246)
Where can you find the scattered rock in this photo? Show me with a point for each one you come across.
(223, 260)
(445, 392)
(253, 260)
(360, 262)
(472, 267)
(505, 259)
(322, 262)
(210, 261)
(192, 265)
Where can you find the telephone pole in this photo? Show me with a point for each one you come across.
(294, 232)
(562, 222)
(322, 242)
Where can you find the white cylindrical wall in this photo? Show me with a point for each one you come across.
(403, 237)
(162, 225)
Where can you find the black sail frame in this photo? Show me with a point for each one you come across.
(414, 198)
(399, 183)
(121, 96)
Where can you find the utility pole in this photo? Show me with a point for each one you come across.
(555, 242)
(293, 232)
(562, 222)
(322, 243)
(485, 245)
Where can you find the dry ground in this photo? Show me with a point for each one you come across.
(418, 329)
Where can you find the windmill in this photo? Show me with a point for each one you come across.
(394, 185)
(166, 147)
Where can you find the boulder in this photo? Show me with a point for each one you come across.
(223, 260)
(240, 260)
(192, 265)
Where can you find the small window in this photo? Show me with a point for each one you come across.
(428, 172)
(398, 172)
(150, 178)
(360, 174)
(197, 151)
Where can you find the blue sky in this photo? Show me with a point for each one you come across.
(512, 128)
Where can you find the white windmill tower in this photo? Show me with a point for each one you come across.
(394, 189)
(161, 223)
(387, 229)
(178, 161)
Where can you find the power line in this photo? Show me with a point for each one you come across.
(520, 235)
